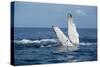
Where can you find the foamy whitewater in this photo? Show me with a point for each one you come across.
(26, 41)
(39, 46)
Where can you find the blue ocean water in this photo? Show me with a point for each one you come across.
(38, 46)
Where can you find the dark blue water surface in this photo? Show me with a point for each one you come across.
(38, 46)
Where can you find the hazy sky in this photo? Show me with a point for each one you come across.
(30, 14)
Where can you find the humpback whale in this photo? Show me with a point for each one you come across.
(70, 42)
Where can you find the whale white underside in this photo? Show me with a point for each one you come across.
(70, 42)
(65, 44)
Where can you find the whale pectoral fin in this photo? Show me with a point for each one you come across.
(61, 36)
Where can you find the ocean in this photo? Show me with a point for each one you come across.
(38, 46)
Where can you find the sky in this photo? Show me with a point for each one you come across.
(32, 14)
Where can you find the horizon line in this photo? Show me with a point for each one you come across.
(51, 27)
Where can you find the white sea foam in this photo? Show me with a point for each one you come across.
(26, 41)
(86, 43)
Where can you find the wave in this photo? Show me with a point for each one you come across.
(87, 43)
(45, 41)
(26, 41)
